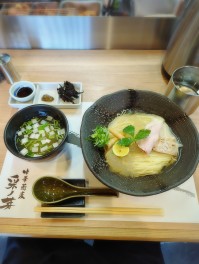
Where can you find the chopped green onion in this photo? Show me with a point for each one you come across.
(39, 135)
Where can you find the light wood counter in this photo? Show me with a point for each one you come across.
(101, 72)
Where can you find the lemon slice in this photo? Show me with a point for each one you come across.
(119, 150)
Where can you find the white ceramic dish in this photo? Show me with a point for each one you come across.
(19, 86)
(49, 88)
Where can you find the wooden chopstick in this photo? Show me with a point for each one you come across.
(103, 210)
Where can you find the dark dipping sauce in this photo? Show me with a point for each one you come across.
(23, 92)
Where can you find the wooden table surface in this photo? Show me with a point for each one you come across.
(101, 72)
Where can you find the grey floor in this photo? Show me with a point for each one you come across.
(174, 253)
(3, 242)
(180, 253)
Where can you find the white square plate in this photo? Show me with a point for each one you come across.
(50, 88)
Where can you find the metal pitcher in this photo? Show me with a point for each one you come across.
(7, 69)
(183, 47)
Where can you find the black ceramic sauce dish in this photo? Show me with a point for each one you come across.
(104, 110)
(26, 114)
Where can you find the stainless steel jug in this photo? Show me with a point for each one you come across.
(7, 69)
(183, 47)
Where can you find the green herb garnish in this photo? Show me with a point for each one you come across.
(125, 142)
(130, 130)
(143, 133)
(100, 136)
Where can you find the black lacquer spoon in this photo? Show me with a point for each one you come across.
(52, 190)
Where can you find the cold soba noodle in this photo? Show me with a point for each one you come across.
(146, 156)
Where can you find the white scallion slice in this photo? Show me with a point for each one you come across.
(49, 118)
(36, 125)
(47, 129)
(56, 144)
(19, 133)
(24, 151)
(37, 136)
(61, 131)
(43, 141)
(29, 127)
(24, 140)
(42, 132)
(34, 120)
(44, 148)
(32, 135)
(51, 133)
(35, 149)
(43, 122)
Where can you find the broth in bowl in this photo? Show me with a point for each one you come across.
(133, 152)
(110, 113)
(36, 132)
(39, 135)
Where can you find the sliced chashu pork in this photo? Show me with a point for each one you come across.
(167, 142)
(148, 143)
(161, 139)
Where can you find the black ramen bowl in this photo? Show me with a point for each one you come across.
(104, 110)
(25, 114)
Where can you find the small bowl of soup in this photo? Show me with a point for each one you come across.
(139, 142)
(22, 91)
(36, 132)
